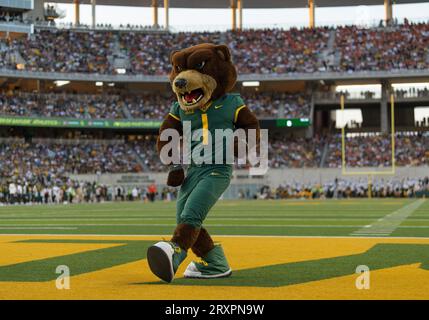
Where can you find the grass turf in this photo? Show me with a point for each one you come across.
(253, 217)
(321, 268)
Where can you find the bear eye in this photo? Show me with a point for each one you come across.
(178, 69)
(200, 65)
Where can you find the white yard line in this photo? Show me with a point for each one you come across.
(173, 225)
(38, 228)
(389, 223)
(174, 218)
(156, 236)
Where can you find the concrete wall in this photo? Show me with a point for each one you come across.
(37, 12)
(274, 177)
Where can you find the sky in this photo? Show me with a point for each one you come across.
(214, 19)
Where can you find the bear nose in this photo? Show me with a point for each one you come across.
(180, 83)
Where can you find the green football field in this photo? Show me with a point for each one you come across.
(356, 217)
(309, 249)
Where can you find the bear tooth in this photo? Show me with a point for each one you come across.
(194, 101)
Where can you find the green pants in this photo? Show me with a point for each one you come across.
(202, 187)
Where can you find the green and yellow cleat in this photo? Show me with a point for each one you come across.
(213, 265)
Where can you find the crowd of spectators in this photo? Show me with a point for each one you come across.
(266, 51)
(7, 57)
(278, 51)
(150, 52)
(148, 106)
(350, 188)
(381, 49)
(67, 51)
(62, 105)
(412, 92)
(22, 158)
(146, 149)
(411, 149)
(278, 105)
(11, 17)
(285, 152)
(361, 150)
(52, 156)
(138, 106)
(39, 171)
(49, 189)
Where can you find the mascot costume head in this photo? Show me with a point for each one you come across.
(200, 74)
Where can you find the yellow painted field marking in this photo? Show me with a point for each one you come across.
(129, 281)
(15, 252)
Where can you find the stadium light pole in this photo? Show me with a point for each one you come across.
(312, 12)
(93, 5)
(234, 15)
(388, 11)
(76, 12)
(240, 14)
(155, 13)
(166, 8)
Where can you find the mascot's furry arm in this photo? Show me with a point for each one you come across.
(176, 175)
(246, 120)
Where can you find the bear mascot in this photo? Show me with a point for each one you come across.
(202, 77)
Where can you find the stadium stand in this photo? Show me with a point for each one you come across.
(140, 106)
(42, 167)
(295, 152)
(411, 149)
(75, 156)
(67, 51)
(348, 188)
(80, 156)
(402, 46)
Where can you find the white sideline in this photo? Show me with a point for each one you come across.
(390, 222)
(214, 236)
(173, 225)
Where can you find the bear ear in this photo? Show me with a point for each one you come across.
(223, 52)
(172, 54)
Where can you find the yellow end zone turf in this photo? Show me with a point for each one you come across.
(264, 268)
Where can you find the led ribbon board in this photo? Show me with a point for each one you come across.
(79, 123)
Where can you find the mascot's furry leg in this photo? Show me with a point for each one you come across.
(213, 262)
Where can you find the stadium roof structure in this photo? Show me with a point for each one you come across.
(255, 4)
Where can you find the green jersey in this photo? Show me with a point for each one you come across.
(220, 114)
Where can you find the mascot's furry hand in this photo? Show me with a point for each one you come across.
(176, 175)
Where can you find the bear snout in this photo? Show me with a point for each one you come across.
(180, 83)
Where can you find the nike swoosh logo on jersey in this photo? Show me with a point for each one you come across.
(218, 107)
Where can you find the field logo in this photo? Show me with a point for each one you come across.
(363, 280)
(63, 280)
